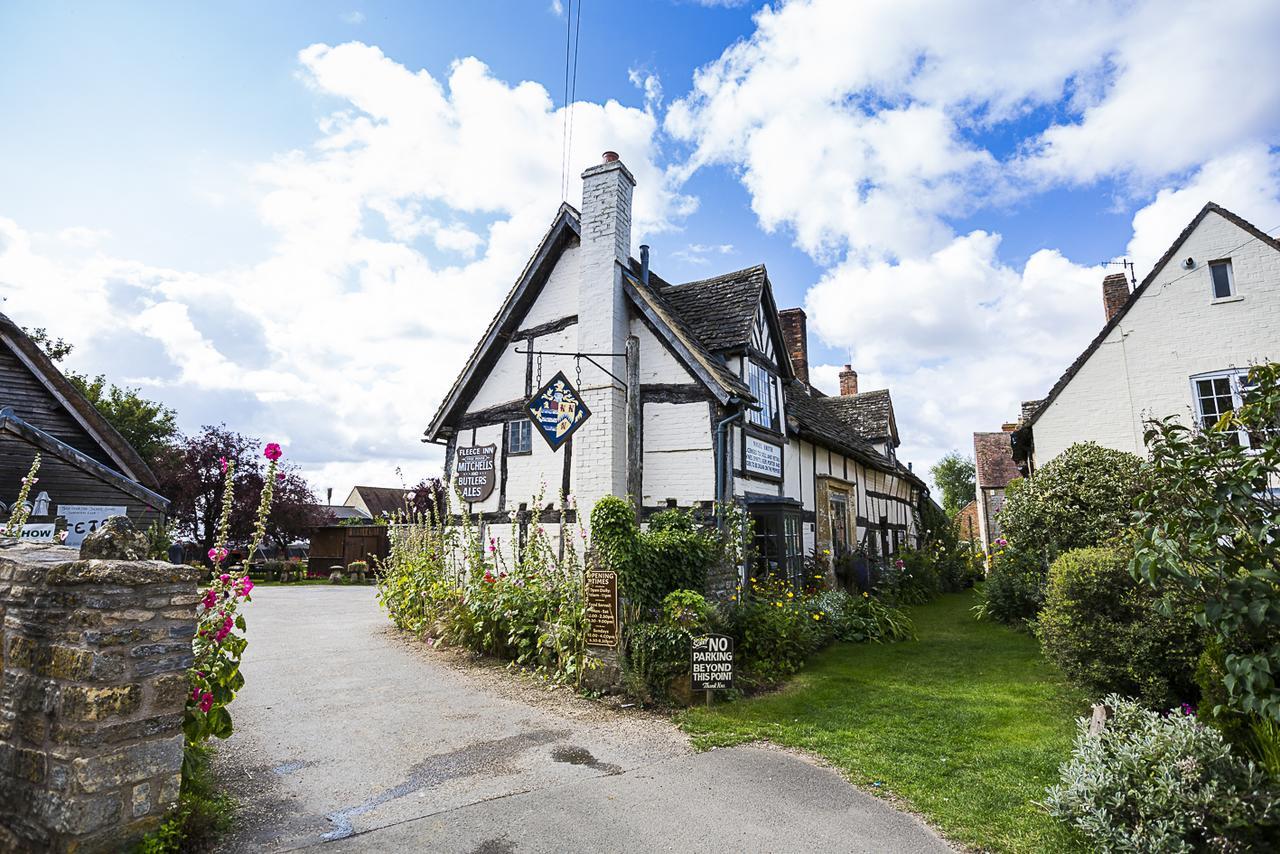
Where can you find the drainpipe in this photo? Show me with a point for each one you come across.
(722, 462)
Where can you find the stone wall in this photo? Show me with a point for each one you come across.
(93, 655)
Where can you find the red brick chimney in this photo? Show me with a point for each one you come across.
(848, 381)
(1115, 293)
(795, 331)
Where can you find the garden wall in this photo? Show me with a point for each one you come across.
(93, 655)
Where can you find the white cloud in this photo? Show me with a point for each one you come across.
(700, 253)
(355, 17)
(396, 234)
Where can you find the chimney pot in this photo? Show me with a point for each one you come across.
(795, 332)
(848, 381)
(610, 157)
(1115, 293)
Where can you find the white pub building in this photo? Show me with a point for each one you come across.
(598, 378)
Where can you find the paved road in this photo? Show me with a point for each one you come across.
(350, 738)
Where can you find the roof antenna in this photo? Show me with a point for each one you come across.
(644, 263)
(1128, 265)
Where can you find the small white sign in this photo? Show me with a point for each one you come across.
(763, 457)
(84, 519)
(38, 532)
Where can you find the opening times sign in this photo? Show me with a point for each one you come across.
(602, 608)
(711, 662)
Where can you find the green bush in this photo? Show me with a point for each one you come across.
(1152, 782)
(913, 573)
(1209, 527)
(202, 813)
(687, 609)
(1103, 628)
(775, 630)
(1082, 497)
(673, 554)
(859, 618)
(1013, 592)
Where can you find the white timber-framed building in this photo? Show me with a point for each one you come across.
(713, 406)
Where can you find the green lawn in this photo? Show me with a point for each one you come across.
(967, 725)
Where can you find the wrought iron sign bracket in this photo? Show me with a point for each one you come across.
(622, 384)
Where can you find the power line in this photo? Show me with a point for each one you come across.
(564, 127)
(573, 94)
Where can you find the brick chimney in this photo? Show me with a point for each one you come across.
(1115, 292)
(848, 381)
(600, 457)
(795, 331)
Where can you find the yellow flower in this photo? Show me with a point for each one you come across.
(817, 616)
(779, 604)
(864, 596)
(790, 595)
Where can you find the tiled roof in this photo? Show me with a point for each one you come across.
(993, 460)
(869, 413)
(720, 310)
(817, 422)
(382, 500)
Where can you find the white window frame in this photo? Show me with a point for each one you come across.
(525, 426)
(1231, 279)
(1237, 377)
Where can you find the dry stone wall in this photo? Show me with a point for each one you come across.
(93, 660)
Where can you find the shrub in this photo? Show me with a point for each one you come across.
(1013, 592)
(913, 574)
(1082, 497)
(775, 631)
(653, 655)
(687, 609)
(857, 618)
(1152, 782)
(1101, 626)
(1210, 527)
(673, 554)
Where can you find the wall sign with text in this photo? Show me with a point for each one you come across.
(84, 519)
(761, 457)
(474, 472)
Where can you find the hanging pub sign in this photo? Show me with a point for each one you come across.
(557, 410)
(711, 662)
(602, 608)
(475, 474)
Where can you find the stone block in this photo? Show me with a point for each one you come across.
(65, 662)
(86, 703)
(77, 815)
(72, 740)
(169, 691)
(170, 788)
(129, 764)
(141, 799)
(151, 650)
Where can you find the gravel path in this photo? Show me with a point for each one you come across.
(350, 737)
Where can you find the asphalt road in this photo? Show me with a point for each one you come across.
(351, 738)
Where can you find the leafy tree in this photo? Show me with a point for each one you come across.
(954, 475)
(190, 474)
(428, 499)
(56, 348)
(1081, 498)
(1209, 525)
(148, 426)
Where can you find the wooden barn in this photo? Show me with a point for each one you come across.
(87, 468)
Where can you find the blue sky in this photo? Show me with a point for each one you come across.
(939, 199)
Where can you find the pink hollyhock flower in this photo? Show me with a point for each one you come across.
(272, 451)
(210, 598)
(195, 695)
(206, 702)
(222, 463)
(217, 555)
(488, 576)
(280, 477)
(899, 564)
(224, 578)
(246, 584)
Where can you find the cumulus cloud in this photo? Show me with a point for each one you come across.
(866, 135)
(395, 236)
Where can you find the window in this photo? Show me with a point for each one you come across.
(764, 389)
(1224, 282)
(779, 545)
(1217, 394)
(520, 437)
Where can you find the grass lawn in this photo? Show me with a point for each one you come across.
(967, 725)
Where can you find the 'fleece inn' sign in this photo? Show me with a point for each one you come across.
(474, 475)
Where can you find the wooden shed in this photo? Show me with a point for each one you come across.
(341, 545)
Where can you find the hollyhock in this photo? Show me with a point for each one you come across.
(222, 463)
(206, 702)
(272, 451)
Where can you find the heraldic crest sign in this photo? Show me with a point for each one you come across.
(557, 410)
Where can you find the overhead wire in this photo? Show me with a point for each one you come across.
(573, 94)
(564, 126)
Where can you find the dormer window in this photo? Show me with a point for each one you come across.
(764, 388)
(1224, 281)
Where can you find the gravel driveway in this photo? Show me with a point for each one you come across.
(350, 737)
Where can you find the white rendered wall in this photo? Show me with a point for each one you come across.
(1174, 331)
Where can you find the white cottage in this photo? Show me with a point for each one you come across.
(695, 396)
(1179, 344)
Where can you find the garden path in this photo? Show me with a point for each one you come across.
(350, 737)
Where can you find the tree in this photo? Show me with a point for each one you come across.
(955, 477)
(428, 498)
(1080, 498)
(148, 426)
(191, 476)
(56, 349)
(1209, 526)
